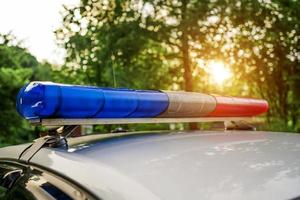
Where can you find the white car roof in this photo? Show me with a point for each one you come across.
(180, 165)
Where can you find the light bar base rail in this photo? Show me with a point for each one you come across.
(103, 121)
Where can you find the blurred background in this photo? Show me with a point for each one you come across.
(246, 48)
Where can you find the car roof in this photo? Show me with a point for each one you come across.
(181, 165)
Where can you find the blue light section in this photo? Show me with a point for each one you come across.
(29, 100)
(150, 103)
(49, 107)
(79, 102)
(119, 103)
(50, 100)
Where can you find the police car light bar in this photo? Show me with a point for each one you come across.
(73, 104)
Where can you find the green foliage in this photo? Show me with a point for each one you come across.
(42, 72)
(16, 57)
(12, 127)
(113, 50)
(17, 67)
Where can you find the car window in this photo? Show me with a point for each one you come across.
(35, 187)
(9, 174)
(33, 183)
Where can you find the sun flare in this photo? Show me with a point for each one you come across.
(218, 71)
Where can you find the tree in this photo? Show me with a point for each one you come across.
(269, 51)
(257, 39)
(17, 68)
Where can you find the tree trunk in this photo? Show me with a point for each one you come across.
(188, 78)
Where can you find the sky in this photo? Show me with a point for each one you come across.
(33, 22)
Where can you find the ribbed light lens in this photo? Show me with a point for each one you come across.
(51, 100)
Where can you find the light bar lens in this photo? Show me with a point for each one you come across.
(241, 107)
(48, 100)
(51, 100)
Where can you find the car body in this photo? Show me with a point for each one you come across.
(163, 165)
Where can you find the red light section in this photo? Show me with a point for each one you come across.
(238, 107)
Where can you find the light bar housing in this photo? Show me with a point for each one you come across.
(47, 100)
